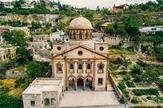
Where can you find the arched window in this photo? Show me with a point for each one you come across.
(80, 35)
(47, 102)
(74, 37)
(71, 66)
(86, 35)
(101, 66)
(88, 66)
(59, 67)
(80, 66)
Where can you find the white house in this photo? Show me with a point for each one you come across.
(151, 29)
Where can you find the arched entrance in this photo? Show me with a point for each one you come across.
(80, 84)
(88, 83)
(72, 84)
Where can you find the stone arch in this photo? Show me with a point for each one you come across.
(71, 83)
(80, 82)
(88, 82)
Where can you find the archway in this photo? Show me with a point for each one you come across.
(88, 83)
(72, 84)
(80, 84)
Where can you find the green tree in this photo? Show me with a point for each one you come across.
(15, 37)
(7, 101)
(37, 69)
(23, 55)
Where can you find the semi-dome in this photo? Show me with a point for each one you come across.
(80, 23)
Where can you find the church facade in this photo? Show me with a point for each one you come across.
(81, 62)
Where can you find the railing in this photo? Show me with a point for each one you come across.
(120, 95)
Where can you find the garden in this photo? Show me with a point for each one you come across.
(138, 81)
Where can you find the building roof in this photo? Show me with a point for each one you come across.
(80, 23)
(40, 85)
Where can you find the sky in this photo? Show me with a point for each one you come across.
(92, 4)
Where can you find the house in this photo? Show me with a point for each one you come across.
(151, 29)
(119, 8)
(43, 93)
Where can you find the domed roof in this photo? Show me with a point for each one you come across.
(80, 23)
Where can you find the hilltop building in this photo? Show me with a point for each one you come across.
(119, 8)
(81, 63)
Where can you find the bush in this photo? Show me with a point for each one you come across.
(149, 97)
(140, 92)
(126, 78)
(135, 100)
(121, 86)
(138, 70)
(130, 84)
(7, 101)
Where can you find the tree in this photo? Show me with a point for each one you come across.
(7, 101)
(37, 69)
(23, 55)
(15, 37)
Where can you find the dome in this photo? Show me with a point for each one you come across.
(80, 23)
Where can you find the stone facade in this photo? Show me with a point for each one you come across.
(81, 62)
(7, 53)
(43, 93)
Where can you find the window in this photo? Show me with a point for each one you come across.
(100, 66)
(53, 101)
(80, 35)
(101, 48)
(47, 102)
(71, 66)
(100, 81)
(59, 67)
(32, 103)
(80, 66)
(80, 52)
(88, 66)
(58, 48)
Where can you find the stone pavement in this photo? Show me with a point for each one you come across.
(88, 98)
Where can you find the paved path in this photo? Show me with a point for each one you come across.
(88, 98)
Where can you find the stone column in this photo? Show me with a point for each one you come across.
(75, 84)
(84, 83)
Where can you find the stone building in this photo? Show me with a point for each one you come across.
(119, 8)
(81, 62)
(7, 53)
(43, 93)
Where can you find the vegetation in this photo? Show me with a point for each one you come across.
(42, 69)
(140, 92)
(15, 37)
(130, 84)
(135, 100)
(7, 101)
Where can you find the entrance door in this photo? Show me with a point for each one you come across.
(72, 84)
(80, 84)
(88, 84)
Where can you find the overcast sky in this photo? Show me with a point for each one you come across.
(94, 3)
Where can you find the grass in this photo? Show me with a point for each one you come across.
(121, 51)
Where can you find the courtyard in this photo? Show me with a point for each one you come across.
(89, 98)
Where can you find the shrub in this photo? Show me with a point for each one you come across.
(7, 101)
(135, 100)
(140, 92)
(149, 97)
(121, 86)
(138, 70)
(130, 84)
(126, 78)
